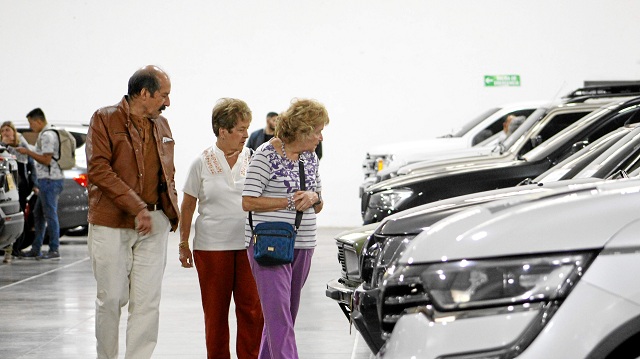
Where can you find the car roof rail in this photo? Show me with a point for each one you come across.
(610, 89)
(601, 97)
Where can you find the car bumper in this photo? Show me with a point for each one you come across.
(365, 316)
(73, 205)
(339, 291)
(11, 228)
(433, 340)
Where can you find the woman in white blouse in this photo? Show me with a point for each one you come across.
(215, 182)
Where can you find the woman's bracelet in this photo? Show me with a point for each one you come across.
(183, 244)
(319, 199)
(291, 205)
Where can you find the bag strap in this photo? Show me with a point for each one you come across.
(303, 186)
(59, 147)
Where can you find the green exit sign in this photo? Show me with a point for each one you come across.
(501, 80)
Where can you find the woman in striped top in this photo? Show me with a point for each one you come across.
(271, 192)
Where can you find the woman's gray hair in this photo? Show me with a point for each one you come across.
(227, 112)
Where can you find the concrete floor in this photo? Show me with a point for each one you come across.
(47, 308)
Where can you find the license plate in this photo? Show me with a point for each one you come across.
(10, 182)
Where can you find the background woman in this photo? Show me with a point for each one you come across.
(271, 192)
(11, 139)
(215, 182)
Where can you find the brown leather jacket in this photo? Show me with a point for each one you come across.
(114, 161)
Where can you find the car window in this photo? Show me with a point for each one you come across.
(473, 123)
(625, 116)
(533, 118)
(81, 138)
(619, 158)
(497, 126)
(550, 127)
(584, 158)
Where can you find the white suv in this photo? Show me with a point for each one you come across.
(470, 134)
(555, 277)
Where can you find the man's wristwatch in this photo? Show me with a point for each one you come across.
(319, 199)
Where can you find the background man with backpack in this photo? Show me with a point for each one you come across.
(50, 184)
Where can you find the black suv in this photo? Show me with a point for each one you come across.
(11, 217)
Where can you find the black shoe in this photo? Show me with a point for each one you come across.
(30, 255)
(53, 255)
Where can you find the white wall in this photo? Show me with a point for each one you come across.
(387, 71)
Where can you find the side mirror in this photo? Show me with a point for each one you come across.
(578, 146)
(619, 175)
(536, 141)
(525, 182)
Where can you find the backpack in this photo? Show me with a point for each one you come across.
(66, 150)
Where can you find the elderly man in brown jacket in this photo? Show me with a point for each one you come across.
(133, 205)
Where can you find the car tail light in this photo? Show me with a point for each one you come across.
(82, 179)
(27, 210)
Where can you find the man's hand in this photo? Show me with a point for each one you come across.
(143, 222)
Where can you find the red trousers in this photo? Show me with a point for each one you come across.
(221, 274)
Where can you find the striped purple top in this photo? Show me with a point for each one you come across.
(271, 175)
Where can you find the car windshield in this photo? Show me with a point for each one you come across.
(585, 158)
(459, 132)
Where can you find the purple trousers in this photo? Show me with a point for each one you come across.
(279, 288)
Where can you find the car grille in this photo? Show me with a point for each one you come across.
(398, 300)
(370, 164)
(341, 259)
(348, 259)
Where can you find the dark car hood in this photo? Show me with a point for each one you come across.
(457, 168)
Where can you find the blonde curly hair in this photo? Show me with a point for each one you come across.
(300, 120)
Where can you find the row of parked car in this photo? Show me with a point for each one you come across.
(16, 226)
(527, 249)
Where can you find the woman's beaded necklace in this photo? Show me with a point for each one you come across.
(289, 168)
(284, 154)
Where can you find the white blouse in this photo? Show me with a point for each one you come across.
(218, 188)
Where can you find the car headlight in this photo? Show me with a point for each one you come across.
(469, 284)
(473, 288)
(389, 200)
(390, 251)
